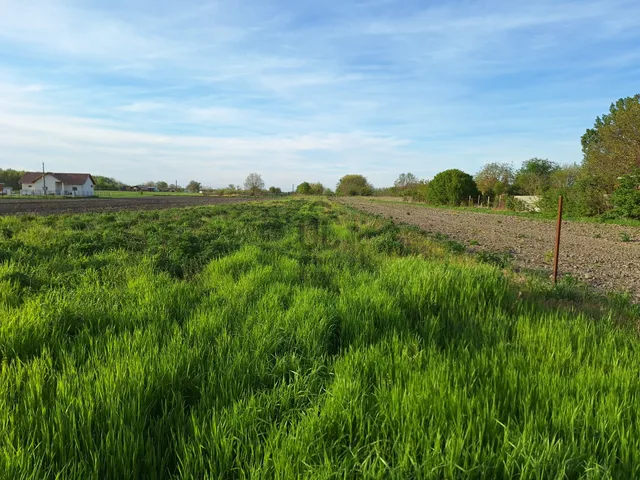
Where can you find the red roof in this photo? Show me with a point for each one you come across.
(68, 178)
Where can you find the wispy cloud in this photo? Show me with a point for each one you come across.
(213, 90)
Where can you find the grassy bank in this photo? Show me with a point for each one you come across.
(298, 339)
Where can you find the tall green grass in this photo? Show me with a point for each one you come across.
(298, 339)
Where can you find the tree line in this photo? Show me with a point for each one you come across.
(607, 182)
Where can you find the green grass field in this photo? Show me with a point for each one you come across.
(299, 339)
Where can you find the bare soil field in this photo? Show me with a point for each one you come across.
(87, 205)
(602, 255)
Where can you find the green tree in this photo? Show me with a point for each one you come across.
(275, 190)
(194, 187)
(451, 187)
(612, 147)
(107, 183)
(351, 185)
(534, 177)
(11, 178)
(405, 180)
(626, 197)
(316, 188)
(495, 178)
(304, 188)
(162, 186)
(254, 183)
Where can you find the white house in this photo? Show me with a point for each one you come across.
(5, 190)
(72, 184)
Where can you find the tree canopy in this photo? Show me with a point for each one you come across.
(254, 183)
(351, 185)
(451, 187)
(193, 186)
(304, 188)
(495, 178)
(11, 178)
(405, 180)
(612, 147)
(534, 177)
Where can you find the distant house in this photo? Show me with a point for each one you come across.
(5, 190)
(71, 184)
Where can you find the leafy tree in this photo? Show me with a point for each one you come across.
(495, 178)
(534, 177)
(351, 185)
(163, 186)
(316, 188)
(612, 147)
(418, 192)
(626, 197)
(254, 183)
(107, 183)
(304, 188)
(405, 180)
(451, 187)
(11, 178)
(194, 187)
(275, 190)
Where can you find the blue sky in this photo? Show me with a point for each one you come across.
(306, 90)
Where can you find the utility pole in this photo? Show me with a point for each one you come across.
(44, 181)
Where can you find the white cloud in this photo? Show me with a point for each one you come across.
(311, 90)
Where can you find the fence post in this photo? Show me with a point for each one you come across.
(557, 252)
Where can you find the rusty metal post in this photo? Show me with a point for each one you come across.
(557, 253)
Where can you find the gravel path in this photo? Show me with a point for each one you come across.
(85, 205)
(593, 253)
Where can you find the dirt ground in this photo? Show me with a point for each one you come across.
(86, 205)
(593, 253)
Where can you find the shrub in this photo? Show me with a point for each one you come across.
(512, 203)
(451, 187)
(626, 198)
(352, 185)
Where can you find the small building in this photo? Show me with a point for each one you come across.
(63, 184)
(5, 190)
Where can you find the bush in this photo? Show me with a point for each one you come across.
(352, 185)
(451, 187)
(584, 199)
(512, 203)
(626, 197)
(417, 192)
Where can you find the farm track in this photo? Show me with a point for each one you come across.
(593, 253)
(98, 205)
